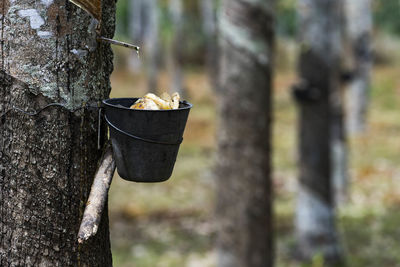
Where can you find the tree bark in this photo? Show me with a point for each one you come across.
(319, 66)
(243, 211)
(358, 33)
(49, 54)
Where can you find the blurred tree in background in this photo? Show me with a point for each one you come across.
(385, 19)
(194, 37)
(175, 46)
(358, 32)
(244, 184)
(319, 107)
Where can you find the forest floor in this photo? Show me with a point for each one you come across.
(171, 224)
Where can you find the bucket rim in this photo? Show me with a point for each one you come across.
(186, 107)
(141, 138)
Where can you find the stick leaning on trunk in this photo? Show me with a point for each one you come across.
(98, 196)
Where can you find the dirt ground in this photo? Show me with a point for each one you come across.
(171, 224)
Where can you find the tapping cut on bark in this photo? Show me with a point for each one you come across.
(98, 196)
(304, 93)
(48, 162)
(93, 7)
(319, 129)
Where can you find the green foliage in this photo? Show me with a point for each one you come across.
(386, 15)
(286, 18)
(318, 260)
(122, 17)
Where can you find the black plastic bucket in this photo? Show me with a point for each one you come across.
(145, 142)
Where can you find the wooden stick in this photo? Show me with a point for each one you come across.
(98, 196)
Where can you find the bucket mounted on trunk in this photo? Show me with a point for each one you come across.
(145, 142)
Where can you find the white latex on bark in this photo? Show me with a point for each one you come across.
(340, 171)
(358, 31)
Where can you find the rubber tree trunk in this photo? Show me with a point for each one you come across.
(49, 54)
(209, 19)
(358, 30)
(244, 196)
(319, 66)
(339, 144)
(176, 60)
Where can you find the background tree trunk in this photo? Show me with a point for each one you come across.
(209, 18)
(339, 151)
(151, 43)
(339, 144)
(144, 31)
(176, 12)
(136, 20)
(319, 68)
(47, 162)
(358, 31)
(136, 28)
(243, 164)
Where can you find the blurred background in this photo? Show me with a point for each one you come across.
(172, 224)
